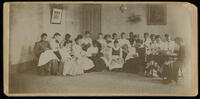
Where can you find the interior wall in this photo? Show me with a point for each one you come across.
(178, 20)
(29, 21)
(91, 19)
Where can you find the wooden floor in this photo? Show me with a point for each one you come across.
(95, 83)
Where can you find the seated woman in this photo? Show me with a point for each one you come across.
(40, 47)
(101, 41)
(106, 51)
(151, 65)
(131, 61)
(95, 55)
(172, 70)
(83, 58)
(52, 55)
(117, 61)
(86, 42)
(74, 65)
(65, 52)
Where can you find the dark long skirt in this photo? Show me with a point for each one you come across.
(60, 68)
(50, 68)
(99, 64)
(131, 65)
(173, 71)
(54, 64)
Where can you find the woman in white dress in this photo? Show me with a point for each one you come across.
(66, 52)
(116, 63)
(79, 62)
(124, 41)
(106, 51)
(73, 66)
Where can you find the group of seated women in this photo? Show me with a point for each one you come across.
(109, 53)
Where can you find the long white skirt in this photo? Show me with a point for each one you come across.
(116, 63)
(46, 56)
(72, 67)
(86, 63)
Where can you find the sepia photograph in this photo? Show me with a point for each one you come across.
(100, 49)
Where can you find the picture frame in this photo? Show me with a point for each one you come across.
(156, 14)
(56, 15)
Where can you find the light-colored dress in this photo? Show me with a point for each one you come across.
(122, 42)
(160, 45)
(132, 53)
(106, 54)
(73, 65)
(49, 55)
(116, 58)
(169, 45)
(86, 41)
(146, 44)
(81, 59)
(103, 43)
(92, 50)
(153, 47)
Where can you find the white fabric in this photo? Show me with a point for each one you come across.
(160, 45)
(153, 47)
(116, 60)
(46, 56)
(147, 42)
(103, 43)
(49, 55)
(92, 50)
(82, 57)
(73, 67)
(122, 42)
(131, 54)
(169, 45)
(106, 54)
(86, 41)
(54, 46)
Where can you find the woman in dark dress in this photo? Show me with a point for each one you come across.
(40, 47)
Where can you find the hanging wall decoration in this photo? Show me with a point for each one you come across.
(156, 14)
(56, 16)
(134, 19)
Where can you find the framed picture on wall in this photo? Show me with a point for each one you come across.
(56, 16)
(156, 14)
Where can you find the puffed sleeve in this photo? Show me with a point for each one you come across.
(53, 45)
